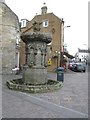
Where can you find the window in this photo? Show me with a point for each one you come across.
(23, 23)
(45, 23)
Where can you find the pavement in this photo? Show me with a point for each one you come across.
(70, 101)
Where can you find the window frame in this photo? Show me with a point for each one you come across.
(45, 23)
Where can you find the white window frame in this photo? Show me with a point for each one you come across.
(45, 23)
(23, 23)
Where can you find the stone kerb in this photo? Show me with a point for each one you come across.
(52, 86)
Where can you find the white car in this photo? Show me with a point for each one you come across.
(15, 70)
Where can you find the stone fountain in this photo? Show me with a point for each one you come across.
(35, 71)
(34, 78)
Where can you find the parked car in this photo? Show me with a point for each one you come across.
(79, 67)
(15, 70)
(70, 65)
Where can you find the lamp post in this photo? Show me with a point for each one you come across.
(62, 42)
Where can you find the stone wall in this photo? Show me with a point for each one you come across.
(9, 28)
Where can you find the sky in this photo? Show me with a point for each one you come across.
(74, 13)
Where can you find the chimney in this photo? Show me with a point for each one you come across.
(44, 9)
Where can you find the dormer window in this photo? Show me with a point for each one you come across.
(45, 23)
(23, 23)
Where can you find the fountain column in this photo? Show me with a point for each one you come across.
(27, 55)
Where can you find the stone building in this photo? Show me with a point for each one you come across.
(82, 55)
(49, 23)
(9, 38)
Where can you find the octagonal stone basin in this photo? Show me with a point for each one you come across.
(36, 36)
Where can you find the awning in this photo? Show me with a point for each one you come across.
(68, 55)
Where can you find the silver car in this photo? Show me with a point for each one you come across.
(79, 67)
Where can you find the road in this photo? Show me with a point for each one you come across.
(71, 101)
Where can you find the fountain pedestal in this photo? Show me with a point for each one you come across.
(35, 75)
(35, 71)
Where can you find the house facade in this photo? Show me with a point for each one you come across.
(49, 23)
(9, 39)
(82, 55)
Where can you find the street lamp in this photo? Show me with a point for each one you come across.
(62, 42)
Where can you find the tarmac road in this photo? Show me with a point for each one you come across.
(73, 94)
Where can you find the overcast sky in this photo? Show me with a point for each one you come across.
(74, 12)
